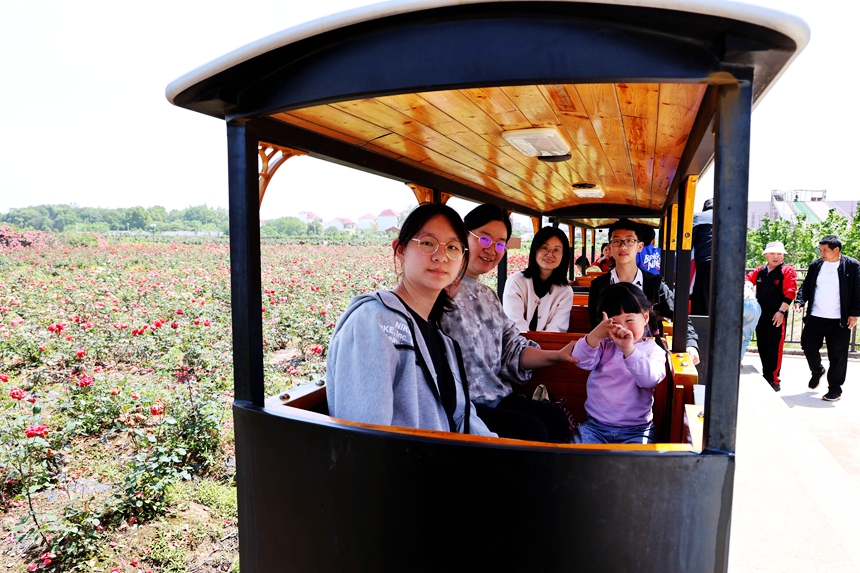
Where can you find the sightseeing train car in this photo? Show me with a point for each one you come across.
(640, 97)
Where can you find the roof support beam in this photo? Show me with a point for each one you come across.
(245, 282)
(731, 184)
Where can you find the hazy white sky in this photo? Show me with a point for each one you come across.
(87, 121)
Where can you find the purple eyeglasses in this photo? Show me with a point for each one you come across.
(485, 243)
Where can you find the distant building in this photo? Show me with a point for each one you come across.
(366, 221)
(788, 204)
(308, 216)
(387, 220)
(341, 224)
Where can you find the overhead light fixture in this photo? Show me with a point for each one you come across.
(587, 190)
(540, 142)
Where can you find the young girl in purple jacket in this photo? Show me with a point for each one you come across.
(625, 369)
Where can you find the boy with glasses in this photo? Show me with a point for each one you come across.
(625, 244)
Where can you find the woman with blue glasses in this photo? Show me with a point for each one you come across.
(494, 354)
(540, 297)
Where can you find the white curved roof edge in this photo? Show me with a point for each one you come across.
(787, 24)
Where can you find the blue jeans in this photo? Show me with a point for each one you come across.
(593, 432)
(752, 312)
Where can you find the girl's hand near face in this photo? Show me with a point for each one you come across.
(623, 339)
(601, 331)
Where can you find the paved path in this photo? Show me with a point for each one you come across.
(797, 481)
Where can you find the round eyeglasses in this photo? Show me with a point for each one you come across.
(486, 242)
(627, 242)
(547, 251)
(428, 245)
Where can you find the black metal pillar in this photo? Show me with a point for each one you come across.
(245, 283)
(593, 245)
(571, 239)
(731, 182)
(502, 272)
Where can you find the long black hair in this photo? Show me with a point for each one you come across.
(559, 274)
(627, 298)
(414, 223)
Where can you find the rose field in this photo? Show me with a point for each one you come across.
(116, 440)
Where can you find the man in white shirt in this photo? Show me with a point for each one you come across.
(832, 289)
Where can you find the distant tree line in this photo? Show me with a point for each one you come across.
(801, 238)
(61, 218)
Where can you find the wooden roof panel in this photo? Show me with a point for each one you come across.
(626, 138)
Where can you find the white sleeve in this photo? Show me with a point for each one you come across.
(516, 300)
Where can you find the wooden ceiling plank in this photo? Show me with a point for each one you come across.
(560, 96)
(549, 181)
(376, 112)
(476, 175)
(601, 104)
(533, 105)
(463, 110)
(641, 139)
(639, 107)
(638, 100)
(679, 104)
(316, 128)
(581, 133)
(341, 122)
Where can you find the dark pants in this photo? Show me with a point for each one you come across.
(770, 341)
(519, 418)
(701, 297)
(815, 333)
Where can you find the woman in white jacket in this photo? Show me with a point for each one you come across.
(540, 298)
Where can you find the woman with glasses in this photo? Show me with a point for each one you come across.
(495, 355)
(388, 362)
(540, 298)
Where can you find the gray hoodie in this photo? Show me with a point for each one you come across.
(374, 376)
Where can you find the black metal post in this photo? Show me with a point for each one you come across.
(571, 266)
(502, 273)
(731, 184)
(245, 282)
(593, 245)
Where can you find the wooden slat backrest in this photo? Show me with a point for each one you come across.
(580, 322)
(580, 299)
(562, 380)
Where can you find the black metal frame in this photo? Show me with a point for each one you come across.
(316, 495)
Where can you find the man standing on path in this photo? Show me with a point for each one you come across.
(832, 289)
(703, 224)
(776, 286)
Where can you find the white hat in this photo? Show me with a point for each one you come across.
(775, 247)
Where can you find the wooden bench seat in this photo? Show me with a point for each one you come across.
(566, 381)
